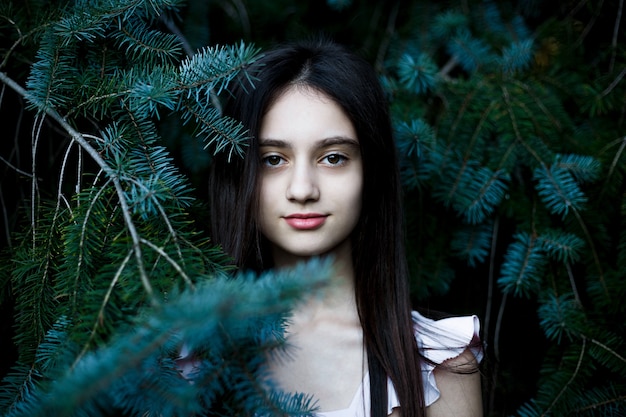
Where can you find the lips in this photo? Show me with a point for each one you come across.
(306, 221)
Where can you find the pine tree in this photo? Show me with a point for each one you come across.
(517, 163)
(110, 276)
(510, 127)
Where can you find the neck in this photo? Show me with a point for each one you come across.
(339, 294)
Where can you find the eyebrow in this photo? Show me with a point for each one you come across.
(324, 143)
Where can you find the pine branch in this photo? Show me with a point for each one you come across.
(152, 45)
(473, 191)
(613, 84)
(219, 315)
(472, 243)
(105, 302)
(621, 151)
(171, 261)
(449, 22)
(76, 136)
(564, 247)
(514, 123)
(558, 190)
(213, 68)
(561, 316)
(517, 57)
(470, 52)
(523, 267)
(540, 102)
(417, 75)
(611, 404)
(8, 15)
(221, 133)
(610, 351)
(569, 382)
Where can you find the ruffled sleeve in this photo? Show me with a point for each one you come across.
(438, 341)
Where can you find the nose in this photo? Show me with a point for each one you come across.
(303, 186)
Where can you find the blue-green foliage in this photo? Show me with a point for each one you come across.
(562, 247)
(471, 190)
(211, 69)
(520, 30)
(507, 172)
(584, 168)
(558, 190)
(512, 157)
(524, 266)
(150, 93)
(221, 133)
(473, 243)
(416, 141)
(470, 52)
(117, 235)
(561, 317)
(227, 327)
(50, 82)
(418, 74)
(153, 45)
(415, 138)
(57, 349)
(490, 15)
(448, 23)
(517, 57)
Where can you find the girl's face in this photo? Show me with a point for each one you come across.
(311, 176)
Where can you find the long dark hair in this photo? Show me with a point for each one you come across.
(381, 284)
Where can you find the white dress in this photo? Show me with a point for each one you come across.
(438, 340)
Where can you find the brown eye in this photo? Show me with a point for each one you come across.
(272, 160)
(335, 159)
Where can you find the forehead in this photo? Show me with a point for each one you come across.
(301, 112)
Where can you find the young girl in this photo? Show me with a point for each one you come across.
(320, 178)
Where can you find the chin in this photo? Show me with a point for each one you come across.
(311, 254)
(318, 252)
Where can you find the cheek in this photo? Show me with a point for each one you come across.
(269, 198)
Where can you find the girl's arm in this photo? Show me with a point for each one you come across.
(458, 380)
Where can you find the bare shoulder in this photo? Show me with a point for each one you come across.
(458, 381)
(396, 413)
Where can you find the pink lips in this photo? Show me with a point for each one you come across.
(305, 221)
